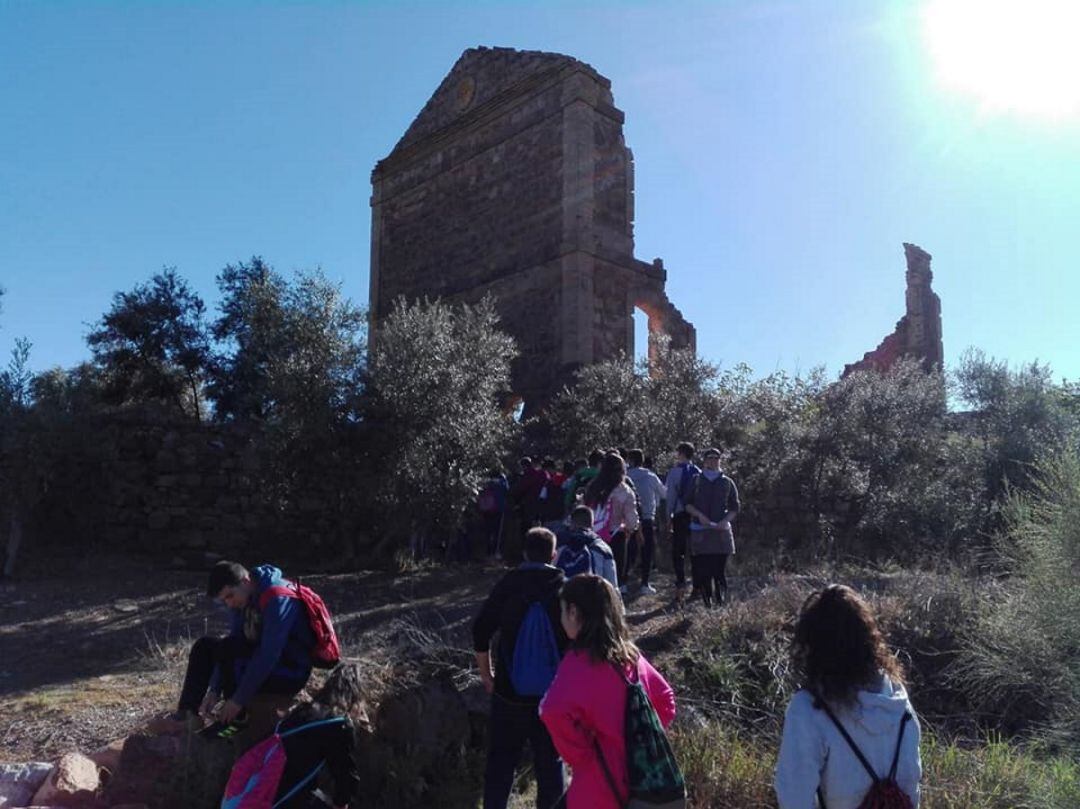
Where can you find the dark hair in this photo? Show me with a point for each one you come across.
(612, 472)
(539, 545)
(581, 517)
(604, 634)
(687, 450)
(225, 574)
(568, 468)
(595, 457)
(341, 695)
(525, 462)
(635, 457)
(548, 463)
(580, 463)
(838, 648)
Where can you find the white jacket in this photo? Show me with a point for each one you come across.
(813, 753)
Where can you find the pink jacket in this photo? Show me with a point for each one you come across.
(587, 701)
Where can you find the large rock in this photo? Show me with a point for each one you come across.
(19, 782)
(148, 765)
(108, 757)
(74, 782)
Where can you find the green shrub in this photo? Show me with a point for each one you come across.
(1023, 654)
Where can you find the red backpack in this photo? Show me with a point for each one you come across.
(884, 793)
(326, 653)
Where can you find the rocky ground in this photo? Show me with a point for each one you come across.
(92, 650)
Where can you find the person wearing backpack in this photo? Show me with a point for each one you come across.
(851, 737)
(677, 484)
(607, 708)
(491, 503)
(712, 503)
(270, 649)
(583, 475)
(316, 739)
(614, 506)
(582, 550)
(523, 608)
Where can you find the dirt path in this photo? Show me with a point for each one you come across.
(97, 647)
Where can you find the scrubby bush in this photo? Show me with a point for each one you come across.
(434, 415)
(1023, 655)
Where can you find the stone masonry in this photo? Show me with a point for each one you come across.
(515, 181)
(918, 333)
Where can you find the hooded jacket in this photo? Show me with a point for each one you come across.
(813, 753)
(280, 634)
(603, 560)
(585, 706)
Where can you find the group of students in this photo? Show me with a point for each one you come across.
(566, 679)
(625, 497)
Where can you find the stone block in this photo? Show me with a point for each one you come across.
(19, 782)
(74, 781)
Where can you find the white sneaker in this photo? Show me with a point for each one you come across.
(647, 588)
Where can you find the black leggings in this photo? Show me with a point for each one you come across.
(709, 571)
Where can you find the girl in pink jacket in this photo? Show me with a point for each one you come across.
(584, 707)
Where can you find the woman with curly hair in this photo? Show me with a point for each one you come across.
(852, 715)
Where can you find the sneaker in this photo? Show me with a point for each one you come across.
(647, 589)
(226, 730)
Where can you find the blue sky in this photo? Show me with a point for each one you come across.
(784, 151)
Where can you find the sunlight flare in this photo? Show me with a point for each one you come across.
(1014, 57)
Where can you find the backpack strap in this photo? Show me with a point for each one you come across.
(607, 773)
(336, 720)
(847, 738)
(899, 738)
(307, 779)
(279, 591)
(862, 759)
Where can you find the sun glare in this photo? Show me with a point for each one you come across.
(1014, 57)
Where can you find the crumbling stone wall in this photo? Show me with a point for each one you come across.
(515, 181)
(918, 333)
(151, 483)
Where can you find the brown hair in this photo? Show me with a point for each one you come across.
(539, 545)
(610, 477)
(604, 634)
(838, 648)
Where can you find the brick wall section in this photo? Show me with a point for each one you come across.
(918, 332)
(164, 487)
(515, 180)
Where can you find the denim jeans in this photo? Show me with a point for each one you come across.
(510, 726)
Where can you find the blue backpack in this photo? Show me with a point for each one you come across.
(536, 653)
(575, 561)
(689, 475)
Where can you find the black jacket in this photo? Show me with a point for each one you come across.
(304, 751)
(504, 610)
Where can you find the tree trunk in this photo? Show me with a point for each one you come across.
(13, 543)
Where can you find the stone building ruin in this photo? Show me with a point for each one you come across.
(515, 181)
(918, 332)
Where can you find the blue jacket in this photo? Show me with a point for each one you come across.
(283, 648)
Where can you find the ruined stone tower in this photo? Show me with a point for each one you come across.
(515, 180)
(918, 333)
